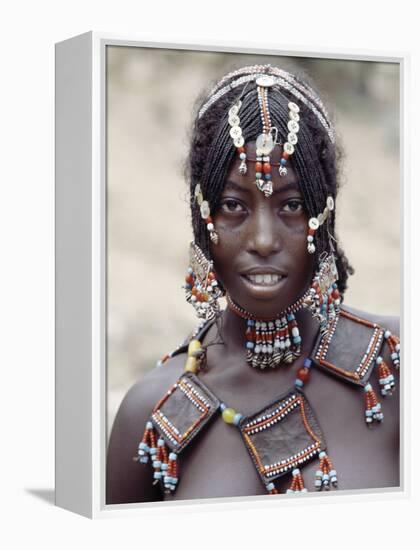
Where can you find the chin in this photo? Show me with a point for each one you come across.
(265, 299)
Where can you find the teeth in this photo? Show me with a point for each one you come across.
(265, 279)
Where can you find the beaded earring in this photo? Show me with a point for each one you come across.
(202, 289)
(324, 297)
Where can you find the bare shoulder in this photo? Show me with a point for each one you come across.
(129, 481)
(388, 322)
(144, 394)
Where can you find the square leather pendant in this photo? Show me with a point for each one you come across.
(184, 411)
(350, 349)
(283, 436)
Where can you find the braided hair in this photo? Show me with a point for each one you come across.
(315, 159)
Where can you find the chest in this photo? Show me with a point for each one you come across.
(217, 462)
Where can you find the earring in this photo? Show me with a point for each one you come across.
(202, 289)
(205, 214)
(315, 223)
(324, 297)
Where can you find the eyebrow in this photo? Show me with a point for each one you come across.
(292, 186)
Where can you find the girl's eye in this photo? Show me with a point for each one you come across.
(231, 206)
(293, 206)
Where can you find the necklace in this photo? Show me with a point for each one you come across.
(284, 435)
(270, 342)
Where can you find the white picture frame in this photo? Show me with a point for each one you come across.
(81, 272)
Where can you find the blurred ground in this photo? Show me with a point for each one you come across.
(151, 94)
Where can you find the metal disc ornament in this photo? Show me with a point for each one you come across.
(265, 143)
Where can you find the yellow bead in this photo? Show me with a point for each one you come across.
(193, 346)
(191, 365)
(228, 415)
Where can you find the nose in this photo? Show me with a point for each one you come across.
(264, 237)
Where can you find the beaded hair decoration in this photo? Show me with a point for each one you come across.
(266, 78)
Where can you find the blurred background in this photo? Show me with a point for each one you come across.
(151, 95)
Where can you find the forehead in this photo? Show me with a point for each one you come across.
(236, 180)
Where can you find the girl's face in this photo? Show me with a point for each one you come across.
(261, 257)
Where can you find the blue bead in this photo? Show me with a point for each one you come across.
(222, 407)
(283, 162)
(307, 363)
(297, 340)
(267, 176)
(258, 175)
(250, 345)
(237, 418)
(298, 383)
(251, 322)
(290, 316)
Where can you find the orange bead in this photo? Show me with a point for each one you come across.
(266, 167)
(258, 167)
(304, 374)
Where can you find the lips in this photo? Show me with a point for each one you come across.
(265, 279)
(263, 282)
(263, 275)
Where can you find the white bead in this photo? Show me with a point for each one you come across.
(210, 227)
(313, 223)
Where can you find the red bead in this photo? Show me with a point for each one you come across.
(258, 167)
(209, 220)
(241, 150)
(335, 294)
(189, 279)
(303, 374)
(211, 276)
(311, 231)
(194, 291)
(285, 155)
(266, 167)
(249, 334)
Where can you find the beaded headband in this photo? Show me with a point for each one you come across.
(281, 79)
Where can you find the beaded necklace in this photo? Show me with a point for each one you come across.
(192, 405)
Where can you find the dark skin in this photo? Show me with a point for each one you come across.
(257, 235)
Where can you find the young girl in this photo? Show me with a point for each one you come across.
(287, 389)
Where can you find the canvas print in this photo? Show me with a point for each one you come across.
(253, 275)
